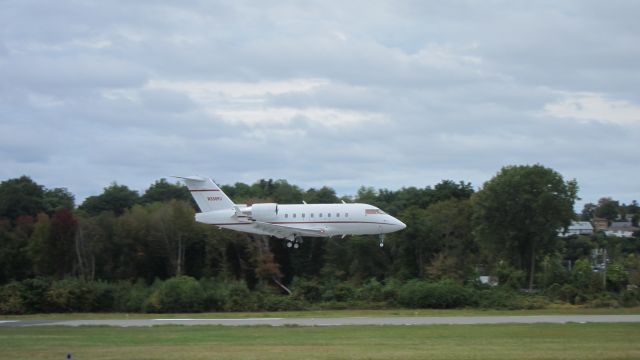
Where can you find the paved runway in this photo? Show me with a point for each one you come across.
(340, 321)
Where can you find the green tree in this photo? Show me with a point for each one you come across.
(325, 195)
(115, 198)
(56, 199)
(607, 209)
(284, 193)
(38, 242)
(450, 230)
(411, 247)
(163, 191)
(518, 212)
(367, 195)
(60, 245)
(14, 260)
(588, 212)
(20, 196)
(448, 189)
(174, 229)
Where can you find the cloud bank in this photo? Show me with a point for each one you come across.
(384, 94)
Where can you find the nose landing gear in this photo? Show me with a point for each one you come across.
(381, 240)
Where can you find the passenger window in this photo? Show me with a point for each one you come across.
(328, 214)
(311, 215)
(303, 215)
(319, 214)
(337, 214)
(286, 216)
(346, 214)
(294, 215)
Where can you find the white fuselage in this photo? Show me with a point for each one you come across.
(331, 219)
(291, 222)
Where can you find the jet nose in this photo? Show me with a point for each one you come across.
(400, 224)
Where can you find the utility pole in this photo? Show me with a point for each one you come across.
(604, 269)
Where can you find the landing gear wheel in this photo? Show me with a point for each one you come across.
(381, 240)
(294, 242)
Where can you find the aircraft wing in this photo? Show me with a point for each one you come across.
(283, 231)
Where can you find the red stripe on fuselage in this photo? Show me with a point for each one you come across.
(307, 222)
(327, 222)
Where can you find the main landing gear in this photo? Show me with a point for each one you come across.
(295, 243)
(381, 240)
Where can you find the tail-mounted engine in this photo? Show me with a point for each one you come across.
(264, 212)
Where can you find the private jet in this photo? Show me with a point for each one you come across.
(290, 222)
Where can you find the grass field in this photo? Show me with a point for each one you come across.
(561, 310)
(539, 341)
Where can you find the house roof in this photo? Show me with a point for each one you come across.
(580, 225)
(622, 226)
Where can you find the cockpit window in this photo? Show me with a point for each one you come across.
(374, 212)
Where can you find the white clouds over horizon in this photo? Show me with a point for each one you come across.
(384, 94)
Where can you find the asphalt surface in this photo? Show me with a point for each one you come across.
(339, 321)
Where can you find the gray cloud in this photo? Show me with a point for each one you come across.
(388, 94)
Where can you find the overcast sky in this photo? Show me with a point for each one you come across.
(336, 93)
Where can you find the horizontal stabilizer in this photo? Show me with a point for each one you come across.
(193, 178)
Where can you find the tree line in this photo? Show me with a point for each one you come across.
(125, 251)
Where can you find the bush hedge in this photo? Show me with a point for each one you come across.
(186, 294)
(441, 295)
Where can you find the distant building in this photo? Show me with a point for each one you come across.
(623, 229)
(578, 228)
(600, 224)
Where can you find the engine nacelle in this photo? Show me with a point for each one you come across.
(264, 212)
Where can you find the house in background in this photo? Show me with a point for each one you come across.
(600, 224)
(578, 228)
(622, 229)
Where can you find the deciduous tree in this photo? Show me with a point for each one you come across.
(519, 211)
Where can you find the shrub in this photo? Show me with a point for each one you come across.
(103, 296)
(307, 290)
(343, 292)
(72, 294)
(131, 297)
(629, 298)
(272, 302)
(338, 292)
(371, 291)
(603, 300)
(10, 299)
(213, 295)
(568, 293)
(497, 299)
(532, 302)
(505, 299)
(509, 276)
(239, 298)
(441, 295)
(34, 294)
(178, 294)
(390, 290)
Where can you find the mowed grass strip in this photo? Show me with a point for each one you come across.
(556, 310)
(514, 341)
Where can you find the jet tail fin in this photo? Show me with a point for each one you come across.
(207, 194)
